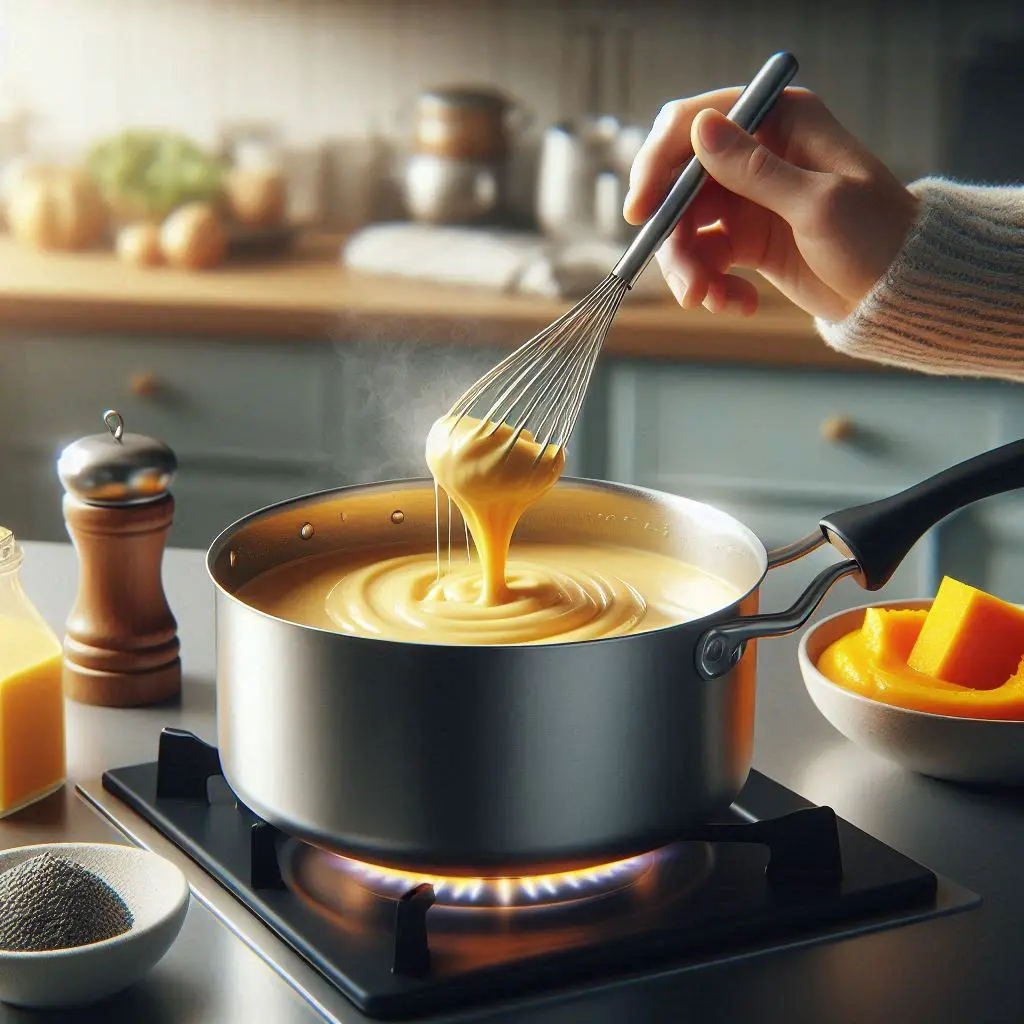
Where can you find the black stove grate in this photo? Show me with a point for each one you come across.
(777, 871)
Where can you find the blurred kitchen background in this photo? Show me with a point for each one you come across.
(282, 234)
(331, 76)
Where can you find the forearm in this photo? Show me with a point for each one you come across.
(952, 302)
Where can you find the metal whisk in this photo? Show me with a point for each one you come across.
(541, 386)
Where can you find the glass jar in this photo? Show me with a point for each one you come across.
(32, 751)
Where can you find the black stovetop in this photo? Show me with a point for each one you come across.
(773, 871)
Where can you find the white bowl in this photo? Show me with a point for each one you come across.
(155, 891)
(969, 750)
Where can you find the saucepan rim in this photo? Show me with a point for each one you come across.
(630, 490)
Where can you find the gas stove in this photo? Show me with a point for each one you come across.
(774, 871)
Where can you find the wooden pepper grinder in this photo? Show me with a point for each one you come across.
(121, 645)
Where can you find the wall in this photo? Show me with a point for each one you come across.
(335, 69)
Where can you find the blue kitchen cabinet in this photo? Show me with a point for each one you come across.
(1004, 550)
(257, 401)
(984, 546)
(247, 421)
(210, 498)
(258, 422)
(780, 448)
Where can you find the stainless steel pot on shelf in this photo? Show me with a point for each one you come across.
(457, 171)
(455, 756)
(452, 190)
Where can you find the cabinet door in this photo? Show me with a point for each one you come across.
(205, 398)
(246, 421)
(208, 500)
(17, 505)
(870, 431)
(781, 448)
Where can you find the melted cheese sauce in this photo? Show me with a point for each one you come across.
(493, 477)
(505, 593)
(557, 593)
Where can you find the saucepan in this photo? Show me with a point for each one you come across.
(434, 756)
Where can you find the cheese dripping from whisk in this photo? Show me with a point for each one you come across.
(492, 477)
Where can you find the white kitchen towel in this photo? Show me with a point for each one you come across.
(500, 259)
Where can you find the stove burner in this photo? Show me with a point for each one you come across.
(470, 891)
(771, 870)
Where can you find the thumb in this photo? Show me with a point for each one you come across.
(738, 162)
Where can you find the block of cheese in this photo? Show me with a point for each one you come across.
(32, 760)
(969, 638)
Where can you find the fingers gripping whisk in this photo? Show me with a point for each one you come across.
(539, 389)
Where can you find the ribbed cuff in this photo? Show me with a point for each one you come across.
(952, 302)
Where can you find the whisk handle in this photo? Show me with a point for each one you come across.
(748, 112)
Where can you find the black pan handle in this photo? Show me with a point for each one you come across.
(879, 535)
(875, 538)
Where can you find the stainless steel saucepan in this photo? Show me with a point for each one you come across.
(455, 757)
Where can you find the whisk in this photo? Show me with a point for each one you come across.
(541, 386)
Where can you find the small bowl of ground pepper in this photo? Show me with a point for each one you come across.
(82, 921)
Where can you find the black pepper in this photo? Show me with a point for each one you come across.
(50, 902)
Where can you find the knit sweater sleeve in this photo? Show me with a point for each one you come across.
(952, 302)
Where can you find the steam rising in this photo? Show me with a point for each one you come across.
(392, 394)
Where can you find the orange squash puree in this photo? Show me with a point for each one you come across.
(872, 661)
(892, 633)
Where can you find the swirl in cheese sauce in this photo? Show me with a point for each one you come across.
(544, 593)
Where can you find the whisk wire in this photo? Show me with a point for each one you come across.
(581, 380)
(552, 393)
(541, 385)
(541, 352)
(566, 391)
(553, 375)
(556, 387)
(547, 394)
(531, 366)
(520, 356)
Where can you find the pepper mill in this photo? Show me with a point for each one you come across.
(121, 642)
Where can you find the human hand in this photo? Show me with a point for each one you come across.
(802, 202)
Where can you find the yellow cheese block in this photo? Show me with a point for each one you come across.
(970, 638)
(32, 758)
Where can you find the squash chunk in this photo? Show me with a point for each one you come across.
(890, 633)
(969, 638)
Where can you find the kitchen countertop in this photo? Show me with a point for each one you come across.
(308, 295)
(964, 969)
